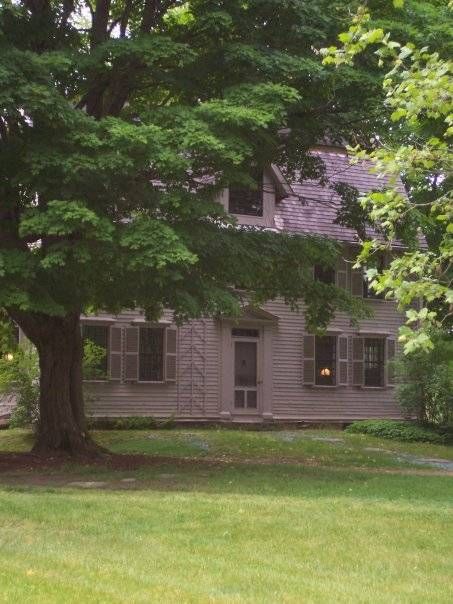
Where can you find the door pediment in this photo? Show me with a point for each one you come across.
(253, 314)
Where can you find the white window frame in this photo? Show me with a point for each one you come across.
(106, 325)
(335, 385)
(163, 329)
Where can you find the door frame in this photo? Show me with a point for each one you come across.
(264, 368)
(259, 372)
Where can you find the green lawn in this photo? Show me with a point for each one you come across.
(244, 517)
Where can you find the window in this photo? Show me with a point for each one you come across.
(374, 349)
(151, 354)
(237, 332)
(96, 357)
(325, 360)
(324, 274)
(369, 292)
(248, 202)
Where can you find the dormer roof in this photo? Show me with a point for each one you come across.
(282, 187)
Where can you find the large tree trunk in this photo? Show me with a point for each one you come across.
(62, 425)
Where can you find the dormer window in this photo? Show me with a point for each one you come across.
(324, 274)
(368, 292)
(247, 202)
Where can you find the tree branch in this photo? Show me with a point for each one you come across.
(68, 8)
(148, 16)
(37, 6)
(100, 21)
(152, 12)
(124, 21)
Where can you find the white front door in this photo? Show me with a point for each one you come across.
(246, 370)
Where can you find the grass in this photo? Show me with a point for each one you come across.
(234, 530)
(317, 445)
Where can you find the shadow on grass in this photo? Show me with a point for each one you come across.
(233, 479)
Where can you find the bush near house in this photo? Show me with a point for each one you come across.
(134, 423)
(19, 373)
(425, 379)
(399, 430)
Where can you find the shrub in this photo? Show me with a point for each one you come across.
(134, 423)
(8, 334)
(19, 374)
(397, 430)
(93, 361)
(425, 387)
(142, 423)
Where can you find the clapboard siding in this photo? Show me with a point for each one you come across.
(291, 399)
(197, 390)
(188, 396)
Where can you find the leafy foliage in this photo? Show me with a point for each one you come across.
(19, 374)
(419, 99)
(426, 382)
(112, 123)
(396, 430)
(7, 336)
(137, 423)
(121, 123)
(93, 357)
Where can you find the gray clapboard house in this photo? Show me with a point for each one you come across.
(264, 366)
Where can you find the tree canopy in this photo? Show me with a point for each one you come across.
(416, 147)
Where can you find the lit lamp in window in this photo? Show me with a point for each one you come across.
(9, 356)
(325, 372)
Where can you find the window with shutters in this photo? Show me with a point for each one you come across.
(374, 362)
(151, 354)
(248, 202)
(325, 360)
(368, 292)
(98, 354)
(324, 274)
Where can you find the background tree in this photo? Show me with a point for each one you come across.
(120, 120)
(7, 334)
(425, 382)
(417, 148)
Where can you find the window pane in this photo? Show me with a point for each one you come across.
(251, 399)
(324, 274)
(245, 364)
(239, 399)
(245, 333)
(99, 336)
(369, 292)
(374, 362)
(325, 351)
(247, 201)
(151, 355)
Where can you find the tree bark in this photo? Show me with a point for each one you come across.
(62, 424)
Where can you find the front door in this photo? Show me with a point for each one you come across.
(246, 391)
